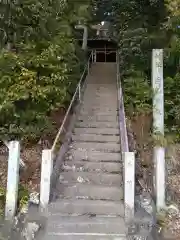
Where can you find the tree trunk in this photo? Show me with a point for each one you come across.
(85, 38)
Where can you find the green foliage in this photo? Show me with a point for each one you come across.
(40, 63)
(33, 84)
(172, 104)
(142, 26)
(137, 93)
(23, 198)
(2, 200)
(171, 71)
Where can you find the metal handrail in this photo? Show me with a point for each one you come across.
(107, 52)
(113, 49)
(122, 118)
(128, 158)
(77, 91)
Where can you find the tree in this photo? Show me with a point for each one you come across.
(39, 62)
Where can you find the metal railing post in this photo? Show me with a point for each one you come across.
(88, 67)
(79, 92)
(127, 156)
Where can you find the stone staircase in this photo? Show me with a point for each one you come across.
(89, 202)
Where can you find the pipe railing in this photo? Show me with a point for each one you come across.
(122, 118)
(128, 157)
(76, 93)
(48, 155)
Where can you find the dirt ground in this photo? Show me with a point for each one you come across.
(31, 155)
(141, 128)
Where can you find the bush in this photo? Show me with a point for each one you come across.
(137, 93)
(40, 64)
(33, 83)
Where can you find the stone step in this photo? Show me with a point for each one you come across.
(105, 147)
(110, 90)
(99, 108)
(91, 178)
(99, 118)
(84, 224)
(78, 207)
(86, 219)
(94, 91)
(98, 167)
(90, 192)
(101, 111)
(91, 124)
(101, 89)
(95, 138)
(97, 102)
(110, 93)
(102, 100)
(69, 236)
(94, 101)
(108, 110)
(94, 94)
(94, 156)
(102, 131)
(98, 113)
(103, 86)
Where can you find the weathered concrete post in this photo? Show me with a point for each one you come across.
(85, 37)
(22, 164)
(46, 172)
(129, 184)
(12, 180)
(158, 126)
